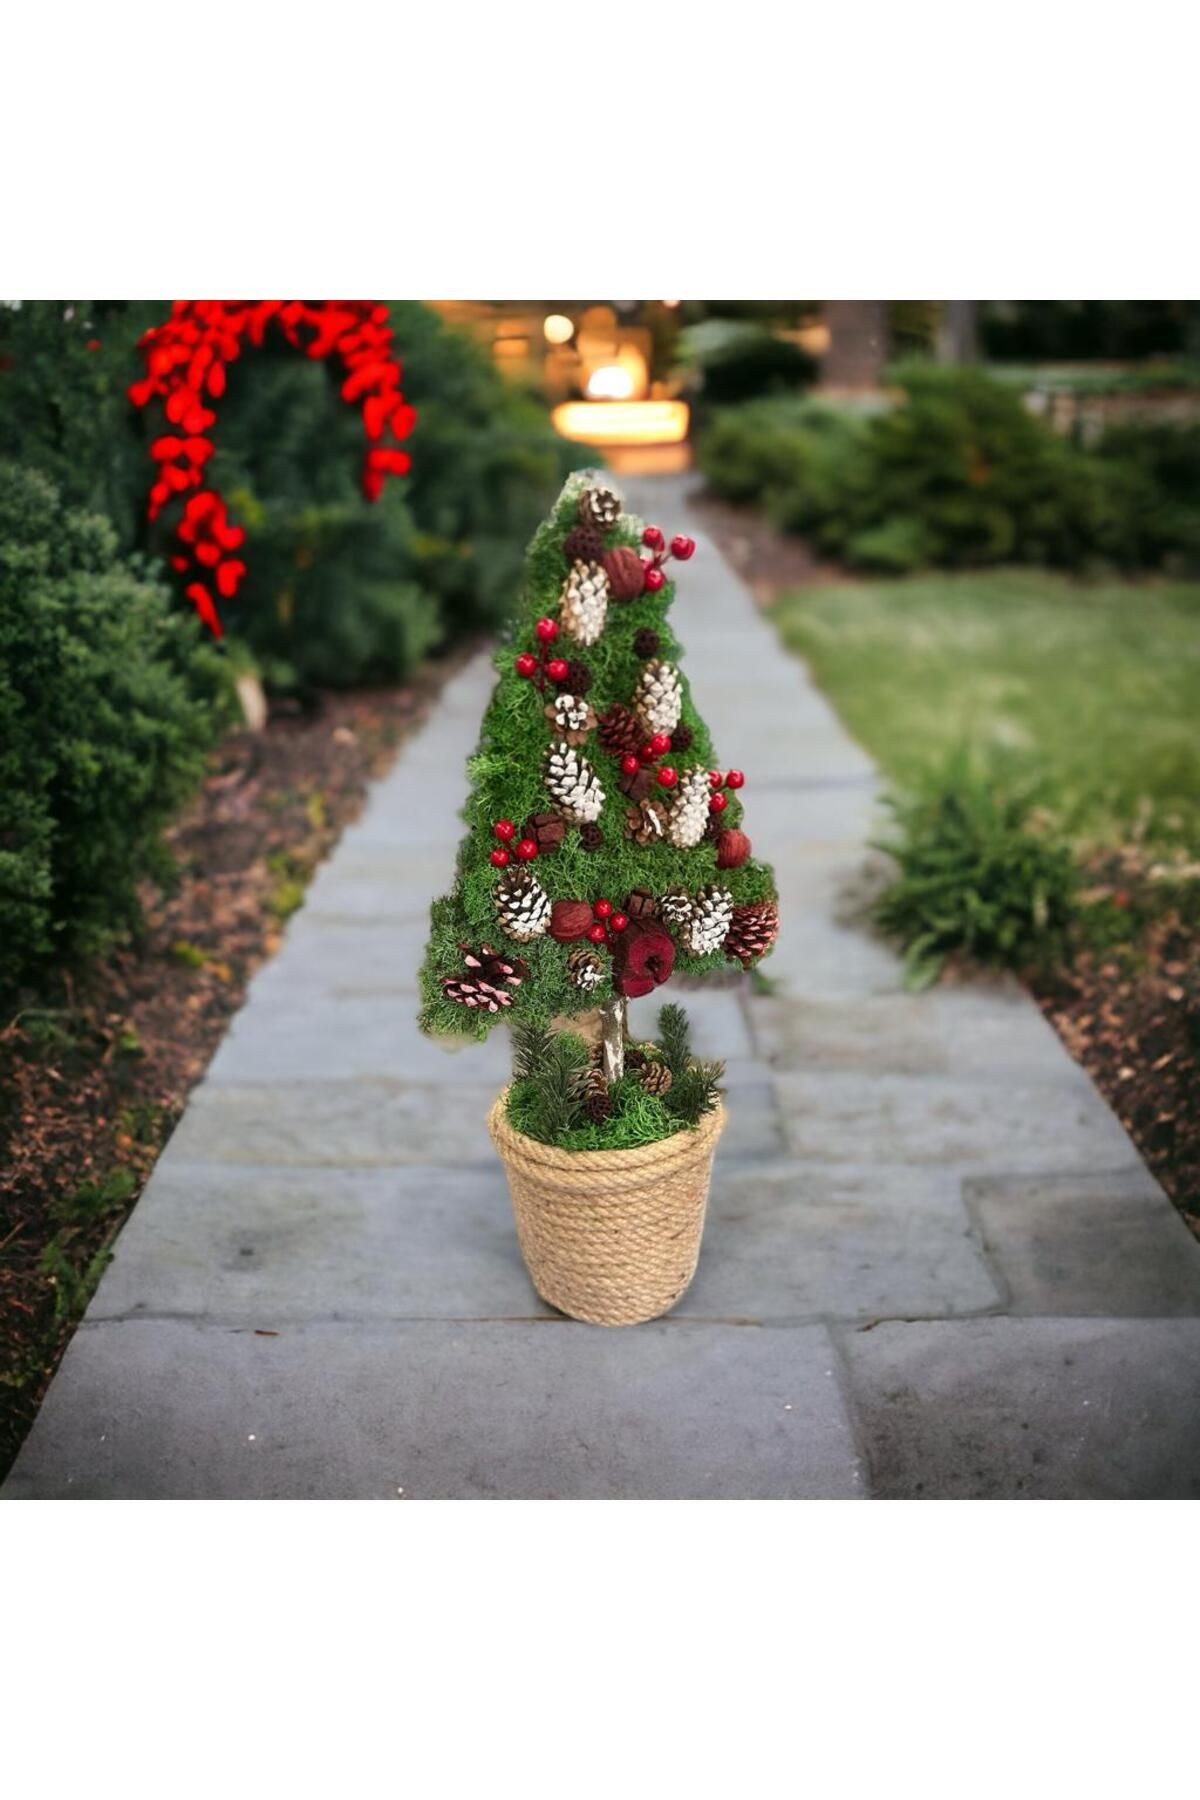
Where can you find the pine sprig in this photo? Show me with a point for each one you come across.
(555, 1082)
(675, 1039)
(695, 1092)
(531, 1048)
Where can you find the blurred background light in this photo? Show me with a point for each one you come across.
(558, 328)
(622, 421)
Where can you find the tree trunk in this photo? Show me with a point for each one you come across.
(958, 331)
(858, 344)
(613, 1016)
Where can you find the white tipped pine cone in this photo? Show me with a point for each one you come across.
(676, 907)
(752, 931)
(572, 783)
(584, 602)
(705, 930)
(690, 813)
(658, 697)
(585, 969)
(522, 905)
(573, 719)
(599, 506)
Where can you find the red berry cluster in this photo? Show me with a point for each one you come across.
(525, 849)
(607, 920)
(718, 779)
(681, 549)
(186, 358)
(543, 666)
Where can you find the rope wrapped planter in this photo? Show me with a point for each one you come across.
(609, 1236)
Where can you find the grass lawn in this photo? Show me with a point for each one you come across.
(1095, 685)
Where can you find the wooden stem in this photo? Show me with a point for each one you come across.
(613, 1016)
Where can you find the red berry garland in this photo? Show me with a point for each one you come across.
(186, 359)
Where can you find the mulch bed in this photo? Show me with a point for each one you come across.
(95, 1070)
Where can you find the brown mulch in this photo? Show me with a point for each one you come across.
(95, 1070)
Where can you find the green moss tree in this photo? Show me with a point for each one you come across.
(599, 857)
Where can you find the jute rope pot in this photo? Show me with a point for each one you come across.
(609, 1236)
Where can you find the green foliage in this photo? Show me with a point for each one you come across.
(977, 877)
(674, 1038)
(108, 704)
(507, 781)
(1073, 329)
(551, 1070)
(960, 474)
(741, 362)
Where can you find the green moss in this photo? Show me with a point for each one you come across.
(637, 1118)
(506, 776)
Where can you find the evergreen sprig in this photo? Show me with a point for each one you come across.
(675, 1039)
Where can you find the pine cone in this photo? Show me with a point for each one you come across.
(634, 1058)
(584, 543)
(658, 697)
(752, 931)
(578, 677)
(584, 602)
(681, 737)
(600, 507)
(522, 904)
(620, 732)
(656, 1078)
(477, 994)
(690, 813)
(676, 908)
(646, 643)
(591, 837)
(507, 970)
(572, 718)
(572, 783)
(585, 969)
(646, 823)
(597, 1101)
(704, 931)
(640, 903)
(546, 829)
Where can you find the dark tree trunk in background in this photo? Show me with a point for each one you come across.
(859, 344)
(958, 331)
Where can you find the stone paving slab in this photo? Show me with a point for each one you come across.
(1054, 1409)
(170, 1409)
(1091, 1244)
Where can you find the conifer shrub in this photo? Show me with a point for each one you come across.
(108, 703)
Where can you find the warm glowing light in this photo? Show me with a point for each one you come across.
(671, 303)
(558, 328)
(622, 421)
(610, 382)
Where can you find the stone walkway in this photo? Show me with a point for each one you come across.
(934, 1265)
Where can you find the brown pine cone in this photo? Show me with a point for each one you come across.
(591, 837)
(584, 543)
(597, 1104)
(646, 643)
(681, 737)
(634, 1058)
(578, 678)
(646, 823)
(714, 828)
(641, 904)
(546, 829)
(620, 732)
(656, 1078)
(752, 931)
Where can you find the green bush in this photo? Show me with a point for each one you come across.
(107, 706)
(750, 362)
(979, 875)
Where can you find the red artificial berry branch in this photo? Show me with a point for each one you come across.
(186, 359)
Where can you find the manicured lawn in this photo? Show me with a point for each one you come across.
(1096, 685)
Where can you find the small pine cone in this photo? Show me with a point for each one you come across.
(475, 993)
(546, 829)
(752, 931)
(572, 718)
(600, 507)
(591, 837)
(645, 644)
(658, 697)
(584, 543)
(585, 969)
(584, 602)
(656, 1078)
(706, 929)
(620, 733)
(646, 823)
(501, 971)
(676, 908)
(572, 784)
(634, 1058)
(597, 1101)
(640, 903)
(578, 678)
(522, 905)
(690, 813)
(681, 737)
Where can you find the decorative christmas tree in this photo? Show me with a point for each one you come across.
(605, 850)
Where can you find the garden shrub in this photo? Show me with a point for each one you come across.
(980, 874)
(751, 362)
(108, 703)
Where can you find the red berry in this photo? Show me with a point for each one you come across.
(556, 669)
(667, 776)
(630, 764)
(716, 778)
(682, 548)
(498, 858)
(525, 664)
(735, 779)
(660, 743)
(653, 538)
(546, 630)
(618, 922)
(597, 933)
(717, 803)
(526, 849)
(505, 830)
(647, 753)
(655, 580)
(603, 909)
